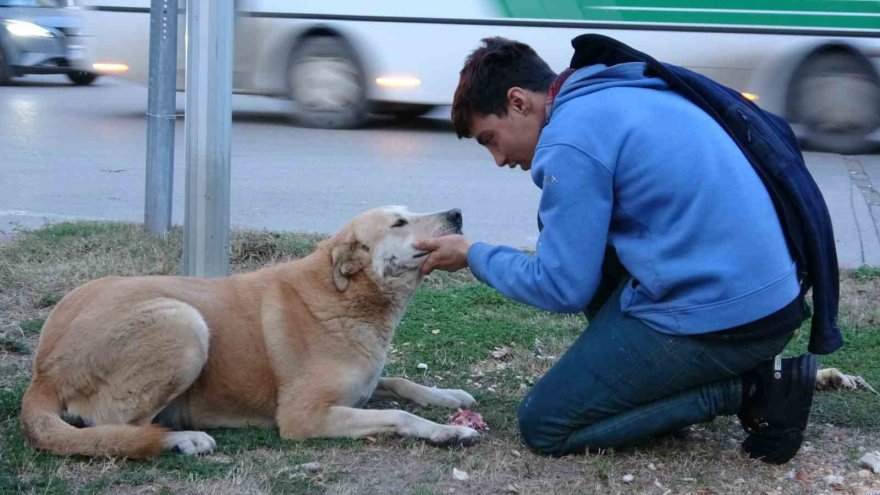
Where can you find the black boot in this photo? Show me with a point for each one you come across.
(776, 406)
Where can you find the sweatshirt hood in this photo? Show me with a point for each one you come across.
(597, 77)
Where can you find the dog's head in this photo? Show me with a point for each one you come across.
(381, 241)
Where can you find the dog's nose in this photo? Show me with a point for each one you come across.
(454, 217)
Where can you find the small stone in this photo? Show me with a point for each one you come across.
(435, 331)
(652, 467)
(460, 475)
(512, 488)
(628, 478)
(308, 467)
(516, 453)
(500, 352)
(871, 460)
(864, 473)
(833, 479)
(422, 366)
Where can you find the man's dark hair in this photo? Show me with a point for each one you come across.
(488, 73)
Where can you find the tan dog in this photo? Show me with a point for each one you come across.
(298, 346)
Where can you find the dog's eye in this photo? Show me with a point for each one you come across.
(399, 223)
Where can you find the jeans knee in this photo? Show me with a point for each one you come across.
(536, 430)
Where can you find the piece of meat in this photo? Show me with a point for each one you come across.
(471, 419)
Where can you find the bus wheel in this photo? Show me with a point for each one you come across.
(327, 84)
(836, 96)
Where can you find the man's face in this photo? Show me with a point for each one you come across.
(511, 139)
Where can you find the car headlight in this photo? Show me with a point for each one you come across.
(27, 29)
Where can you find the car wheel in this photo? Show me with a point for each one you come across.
(405, 111)
(82, 78)
(5, 72)
(327, 83)
(836, 96)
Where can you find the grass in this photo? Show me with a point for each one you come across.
(452, 325)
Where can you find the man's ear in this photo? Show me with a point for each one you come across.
(345, 264)
(518, 101)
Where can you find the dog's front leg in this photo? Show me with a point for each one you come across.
(400, 388)
(341, 421)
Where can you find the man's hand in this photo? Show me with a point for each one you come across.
(448, 253)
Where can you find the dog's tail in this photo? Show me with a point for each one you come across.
(45, 430)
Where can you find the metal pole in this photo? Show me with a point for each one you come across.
(160, 116)
(208, 127)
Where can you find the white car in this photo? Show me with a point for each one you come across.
(42, 37)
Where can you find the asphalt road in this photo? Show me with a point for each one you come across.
(71, 152)
(78, 152)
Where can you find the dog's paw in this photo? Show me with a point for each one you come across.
(453, 398)
(189, 442)
(454, 435)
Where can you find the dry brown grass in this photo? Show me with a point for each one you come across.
(860, 299)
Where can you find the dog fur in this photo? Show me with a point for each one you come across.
(146, 362)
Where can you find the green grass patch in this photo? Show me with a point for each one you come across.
(32, 327)
(472, 320)
(11, 344)
(858, 356)
(49, 300)
(866, 272)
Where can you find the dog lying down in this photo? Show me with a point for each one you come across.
(146, 362)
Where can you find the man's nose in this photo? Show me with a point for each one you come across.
(499, 158)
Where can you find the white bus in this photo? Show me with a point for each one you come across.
(814, 62)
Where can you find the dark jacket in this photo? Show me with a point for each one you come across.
(770, 146)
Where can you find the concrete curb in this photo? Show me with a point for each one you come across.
(843, 183)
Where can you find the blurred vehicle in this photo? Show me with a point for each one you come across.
(814, 62)
(42, 37)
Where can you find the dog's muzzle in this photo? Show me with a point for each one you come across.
(453, 217)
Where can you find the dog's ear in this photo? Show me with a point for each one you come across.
(345, 263)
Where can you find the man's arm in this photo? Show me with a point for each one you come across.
(564, 272)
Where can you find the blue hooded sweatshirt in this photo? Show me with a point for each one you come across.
(625, 161)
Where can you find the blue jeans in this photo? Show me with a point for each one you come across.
(622, 382)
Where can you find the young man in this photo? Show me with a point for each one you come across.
(699, 292)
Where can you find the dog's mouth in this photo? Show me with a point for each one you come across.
(453, 227)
